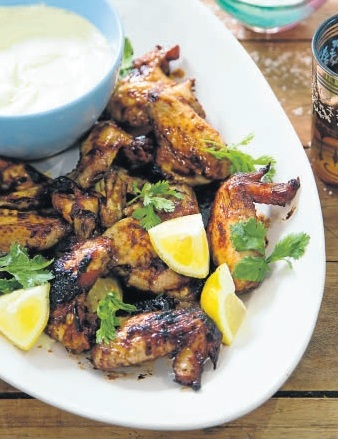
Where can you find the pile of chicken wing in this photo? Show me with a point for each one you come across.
(154, 128)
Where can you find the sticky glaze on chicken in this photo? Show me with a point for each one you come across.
(234, 202)
(186, 335)
(22, 187)
(128, 104)
(35, 231)
(134, 258)
(98, 151)
(72, 324)
(182, 137)
(80, 208)
(76, 271)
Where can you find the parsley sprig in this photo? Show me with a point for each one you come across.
(106, 311)
(251, 235)
(240, 161)
(127, 59)
(22, 271)
(154, 197)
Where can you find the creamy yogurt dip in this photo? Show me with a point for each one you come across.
(48, 57)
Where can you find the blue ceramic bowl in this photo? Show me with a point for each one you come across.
(39, 135)
(270, 16)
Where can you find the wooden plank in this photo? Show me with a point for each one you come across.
(287, 69)
(306, 418)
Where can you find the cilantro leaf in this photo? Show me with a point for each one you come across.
(127, 59)
(147, 216)
(240, 161)
(21, 270)
(9, 285)
(154, 198)
(292, 246)
(251, 268)
(248, 235)
(106, 311)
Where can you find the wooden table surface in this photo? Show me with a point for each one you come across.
(306, 406)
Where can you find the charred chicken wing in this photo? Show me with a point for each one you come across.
(182, 137)
(186, 334)
(36, 231)
(128, 104)
(234, 202)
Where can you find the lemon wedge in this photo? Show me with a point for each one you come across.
(100, 289)
(223, 306)
(24, 315)
(182, 244)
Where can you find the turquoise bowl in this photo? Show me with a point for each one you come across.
(39, 135)
(270, 16)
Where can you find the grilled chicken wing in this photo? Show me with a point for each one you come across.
(186, 334)
(234, 202)
(76, 271)
(73, 325)
(78, 207)
(70, 320)
(134, 258)
(98, 151)
(22, 187)
(36, 231)
(182, 137)
(135, 261)
(129, 102)
(114, 187)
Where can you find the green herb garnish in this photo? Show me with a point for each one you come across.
(240, 161)
(154, 197)
(106, 311)
(251, 235)
(21, 271)
(127, 59)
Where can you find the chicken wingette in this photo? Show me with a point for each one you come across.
(187, 335)
(22, 187)
(234, 202)
(76, 270)
(134, 258)
(79, 207)
(98, 151)
(35, 231)
(182, 137)
(128, 104)
(72, 324)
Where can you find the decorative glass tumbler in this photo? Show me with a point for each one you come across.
(324, 141)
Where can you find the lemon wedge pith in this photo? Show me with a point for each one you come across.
(223, 306)
(24, 315)
(182, 244)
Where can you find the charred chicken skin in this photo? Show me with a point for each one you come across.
(187, 335)
(73, 325)
(182, 137)
(98, 151)
(36, 231)
(128, 104)
(22, 187)
(234, 202)
(78, 207)
(76, 271)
